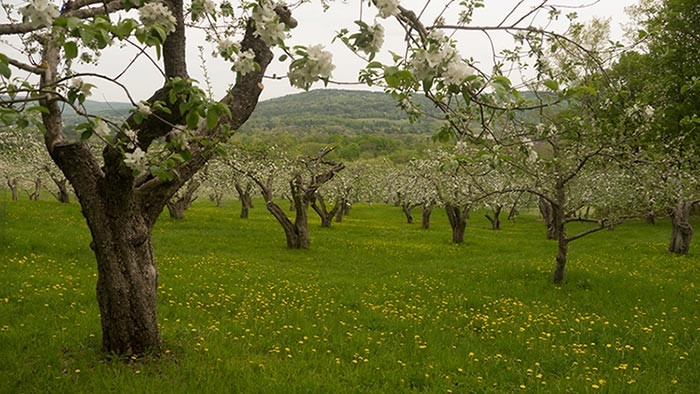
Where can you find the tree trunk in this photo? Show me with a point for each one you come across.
(217, 198)
(548, 216)
(682, 231)
(339, 214)
(127, 283)
(407, 208)
(12, 183)
(458, 221)
(650, 219)
(178, 205)
(496, 219)
(562, 253)
(297, 232)
(36, 193)
(426, 210)
(318, 204)
(245, 199)
(557, 210)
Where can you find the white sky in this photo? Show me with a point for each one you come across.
(318, 27)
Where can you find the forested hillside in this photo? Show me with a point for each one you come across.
(338, 111)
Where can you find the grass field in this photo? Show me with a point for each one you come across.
(375, 305)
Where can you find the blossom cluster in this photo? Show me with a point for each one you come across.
(157, 14)
(439, 59)
(39, 13)
(374, 44)
(245, 63)
(387, 8)
(316, 64)
(136, 160)
(80, 86)
(267, 23)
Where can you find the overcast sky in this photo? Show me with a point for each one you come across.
(318, 27)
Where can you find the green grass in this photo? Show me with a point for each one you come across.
(375, 305)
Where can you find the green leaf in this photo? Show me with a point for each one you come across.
(212, 117)
(192, 119)
(71, 49)
(552, 85)
(502, 81)
(5, 70)
(86, 134)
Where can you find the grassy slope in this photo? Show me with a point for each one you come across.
(375, 306)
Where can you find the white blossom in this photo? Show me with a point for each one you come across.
(136, 160)
(318, 65)
(101, 129)
(144, 108)
(82, 87)
(267, 23)
(157, 14)
(132, 137)
(456, 71)
(377, 32)
(245, 63)
(387, 8)
(208, 6)
(39, 13)
(227, 47)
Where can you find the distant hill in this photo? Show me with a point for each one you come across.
(337, 111)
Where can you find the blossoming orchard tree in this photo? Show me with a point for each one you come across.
(164, 142)
(298, 178)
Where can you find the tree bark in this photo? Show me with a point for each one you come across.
(12, 183)
(62, 195)
(682, 231)
(548, 216)
(245, 199)
(127, 282)
(297, 232)
(557, 210)
(407, 209)
(36, 193)
(179, 204)
(458, 221)
(650, 219)
(216, 197)
(426, 210)
(496, 219)
(318, 204)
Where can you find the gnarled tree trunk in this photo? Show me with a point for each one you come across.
(179, 204)
(650, 218)
(217, 198)
(245, 198)
(407, 210)
(548, 215)
(426, 211)
(457, 217)
(13, 184)
(62, 195)
(682, 231)
(36, 192)
(559, 224)
(297, 232)
(496, 219)
(318, 204)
